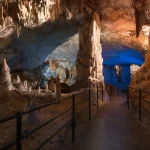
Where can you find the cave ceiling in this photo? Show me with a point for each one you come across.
(124, 22)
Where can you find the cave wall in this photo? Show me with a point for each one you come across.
(34, 32)
(45, 53)
(117, 17)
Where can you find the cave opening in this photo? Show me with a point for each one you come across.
(119, 64)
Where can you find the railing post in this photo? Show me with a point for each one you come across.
(89, 104)
(128, 103)
(102, 92)
(73, 118)
(140, 99)
(19, 131)
(97, 97)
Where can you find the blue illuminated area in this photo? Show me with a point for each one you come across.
(123, 57)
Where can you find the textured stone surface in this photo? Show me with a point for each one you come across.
(43, 40)
(89, 60)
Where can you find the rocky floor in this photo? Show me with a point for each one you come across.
(14, 101)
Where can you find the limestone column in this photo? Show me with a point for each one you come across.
(89, 59)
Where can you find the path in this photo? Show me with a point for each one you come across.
(112, 128)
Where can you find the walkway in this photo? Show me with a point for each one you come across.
(112, 128)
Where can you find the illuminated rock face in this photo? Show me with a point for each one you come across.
(89, 60)
(6, 77)
(141, 78)
(44, 41)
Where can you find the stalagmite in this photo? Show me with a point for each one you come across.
(18, 79)
(58, 90)
(6, 77)
(46, 88)
(14, 81)
(25, 84)
(30, 88)
(39, 89)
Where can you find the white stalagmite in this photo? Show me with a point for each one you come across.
(30, 88)
(46, 88)
(25, 84)
(18, 79)
(6, 77)
(14, 81)
(58, 90)
(39, 89)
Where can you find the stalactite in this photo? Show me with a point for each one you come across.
(6, 3)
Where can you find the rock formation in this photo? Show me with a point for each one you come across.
(25, 84)
(30, 88)
(21, 87)
(89, 60)
(18, 79)
(39, 89)
(117, 23)
(58, 90)
(6, 83)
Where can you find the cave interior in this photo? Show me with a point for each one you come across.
(50, 49)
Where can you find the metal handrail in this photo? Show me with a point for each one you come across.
(131, 97)
(19, 116)
(47, 140)
(44, 124)
(83, 110)
(79, 93)
(145, 110)
(7, 119)
(46, 105)
(81, 102)
(146, 92)
(146, 101)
